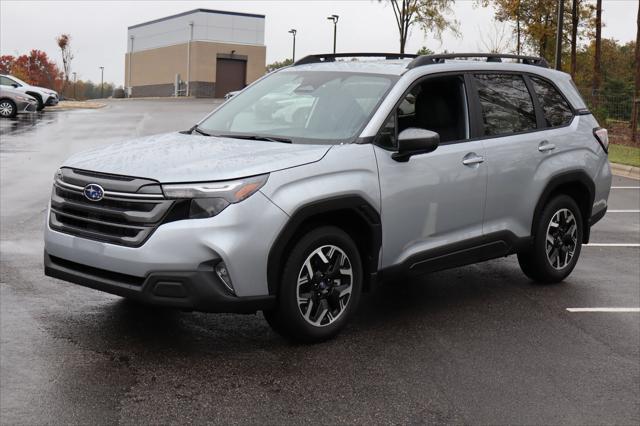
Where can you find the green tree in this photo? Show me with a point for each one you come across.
(279, 64)
(430, 15)
(424, 50)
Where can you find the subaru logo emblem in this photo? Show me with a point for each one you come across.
(93, 192)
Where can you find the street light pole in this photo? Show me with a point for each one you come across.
(101, 82)
(334, 18)
(293, 32)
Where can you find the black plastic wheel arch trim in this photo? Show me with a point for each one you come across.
(352, 203)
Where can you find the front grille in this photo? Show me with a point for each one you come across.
(129, 212)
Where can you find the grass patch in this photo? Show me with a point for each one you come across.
(624, 155)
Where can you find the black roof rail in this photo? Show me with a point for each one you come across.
(491, 57)
(331, 57)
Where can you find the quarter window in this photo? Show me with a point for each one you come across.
(557, 111)
(506, 104)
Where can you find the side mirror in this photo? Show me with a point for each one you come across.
(414, 141)
(15, 85)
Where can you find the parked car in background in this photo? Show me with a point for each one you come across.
(231, 94)
(44, 96)
(13, 102)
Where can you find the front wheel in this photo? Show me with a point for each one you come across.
(320, 287)
(557, 241)
(7, 108)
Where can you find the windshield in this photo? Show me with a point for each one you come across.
(302, 106)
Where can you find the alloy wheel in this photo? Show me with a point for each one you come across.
(6, 109)
(562, 238)
(325, 282)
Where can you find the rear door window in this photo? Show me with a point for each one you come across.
(506, 104)
(555, 108)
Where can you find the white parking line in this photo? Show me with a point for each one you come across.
(625, 187)
(603, 309)
(611, 245)
(623, 211)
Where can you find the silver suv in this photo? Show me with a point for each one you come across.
(318, 180)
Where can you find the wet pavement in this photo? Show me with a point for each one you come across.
(480, 344)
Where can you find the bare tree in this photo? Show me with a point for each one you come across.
(497, 39)
(429, 14)
(64, 43)
(575, 20)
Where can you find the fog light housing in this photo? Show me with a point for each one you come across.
(223, 273)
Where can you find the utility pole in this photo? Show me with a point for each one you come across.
(334, 18)
(75, 96)
(188, 91)
(293, 32)
(559, 34)
(130, 90)
(101, 82)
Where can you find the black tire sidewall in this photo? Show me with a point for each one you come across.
(289, 313)
(548, 272)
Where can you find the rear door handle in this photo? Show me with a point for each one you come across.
(472, 158)
(546, 146)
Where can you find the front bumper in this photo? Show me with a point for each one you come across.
(52, 101)
(199, 290)
(26, 107)
(240, 236)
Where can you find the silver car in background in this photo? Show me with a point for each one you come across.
(13, 102)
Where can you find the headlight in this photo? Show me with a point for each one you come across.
(207, 199)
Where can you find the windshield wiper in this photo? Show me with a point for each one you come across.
(257, 138)
(196, 129)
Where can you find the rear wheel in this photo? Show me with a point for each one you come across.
(7, 108)
(320, 287)
(556, 244)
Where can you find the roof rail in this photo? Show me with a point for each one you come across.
(331, 57)
(491, 57)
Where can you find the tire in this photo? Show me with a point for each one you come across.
(40, 106)
(329, 296)
(8, 108)
(563, 246)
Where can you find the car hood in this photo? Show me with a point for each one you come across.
(44, 89)
(178, 157)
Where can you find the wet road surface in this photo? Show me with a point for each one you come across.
(480, 344)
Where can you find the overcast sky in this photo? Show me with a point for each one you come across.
(99, 28)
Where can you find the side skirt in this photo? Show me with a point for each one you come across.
(475, 250)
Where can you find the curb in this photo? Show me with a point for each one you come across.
(625, 171)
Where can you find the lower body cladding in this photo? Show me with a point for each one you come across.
(176, 266)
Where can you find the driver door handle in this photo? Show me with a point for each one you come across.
(472, 158)
(546, 146)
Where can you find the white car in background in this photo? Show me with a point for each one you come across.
(44, 96)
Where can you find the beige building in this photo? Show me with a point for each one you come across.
(203, 53)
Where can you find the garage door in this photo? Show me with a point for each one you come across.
(230, 75)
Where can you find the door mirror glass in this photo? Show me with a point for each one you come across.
(414, 141)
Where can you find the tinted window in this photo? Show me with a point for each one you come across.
(556, 110)
(437, 104)
(506, 104)
(4, 81)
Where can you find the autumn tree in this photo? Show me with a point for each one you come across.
(64, 43)
(430, 15)
(35, 68)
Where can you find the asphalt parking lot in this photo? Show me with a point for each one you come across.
(475, 345)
